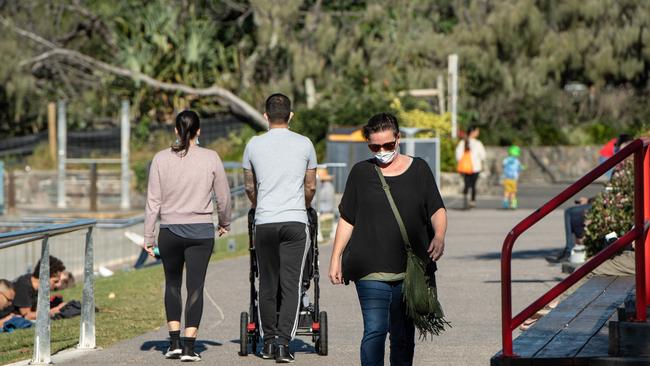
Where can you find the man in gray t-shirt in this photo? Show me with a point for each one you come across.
(280, 179)
(280, 160)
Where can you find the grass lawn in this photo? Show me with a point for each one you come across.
(130, 304)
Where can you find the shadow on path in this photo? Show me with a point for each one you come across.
(161, 345)
(297, 346)
(520, 254)
(555, 279)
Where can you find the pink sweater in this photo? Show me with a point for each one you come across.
(180, 190)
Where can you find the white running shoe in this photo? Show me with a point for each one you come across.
(190, 357)
(173, 353)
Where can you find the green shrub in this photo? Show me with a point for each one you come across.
(612, 209)
(448, 154)
(41, 158)
(347, 108)
(600, 132)
(232, 147)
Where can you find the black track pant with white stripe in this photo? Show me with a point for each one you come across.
(281, 251)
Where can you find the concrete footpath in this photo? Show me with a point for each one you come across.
(469, 288)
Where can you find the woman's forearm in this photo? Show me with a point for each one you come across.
(439, 223)
(342, 237)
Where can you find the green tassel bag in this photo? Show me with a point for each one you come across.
(421, 299)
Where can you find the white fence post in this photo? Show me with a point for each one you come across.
(453, 93)
(125, 202)
(62, 137)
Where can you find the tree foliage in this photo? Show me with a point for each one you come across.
(531, 71)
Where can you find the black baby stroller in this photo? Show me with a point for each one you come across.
(311, 321)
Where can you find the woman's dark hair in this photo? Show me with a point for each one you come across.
(56, 267)
(187, 125)
(470, 129)
(381, 122)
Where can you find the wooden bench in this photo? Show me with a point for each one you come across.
(576, 331)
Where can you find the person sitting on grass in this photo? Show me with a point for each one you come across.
(7, 295)
(26, 288)
(66, 280)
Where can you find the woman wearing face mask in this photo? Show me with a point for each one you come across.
(369, 235)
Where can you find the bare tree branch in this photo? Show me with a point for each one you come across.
(42, 57)
(238, 105)
(64, 39)
(238, 7)
(316, 10)
(34, 37)
(242, 18)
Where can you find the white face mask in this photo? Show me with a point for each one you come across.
(386, 157)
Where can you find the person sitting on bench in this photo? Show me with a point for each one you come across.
(574, 228)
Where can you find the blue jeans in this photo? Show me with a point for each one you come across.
(602, 159)
(383, 312)
(574, 222)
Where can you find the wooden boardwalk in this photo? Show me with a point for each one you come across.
(576, 331)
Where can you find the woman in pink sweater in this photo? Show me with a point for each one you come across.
(182, 182)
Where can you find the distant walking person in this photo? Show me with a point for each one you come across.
(280, 178)
(470, 155)
(369, 248)
(182, 182)
(511, 169)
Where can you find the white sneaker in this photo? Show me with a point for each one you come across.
(173, 353)
(192, 357)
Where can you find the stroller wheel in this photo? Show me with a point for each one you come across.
(321, 342)
(243, 334)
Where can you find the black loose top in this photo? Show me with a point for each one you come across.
(376, 244)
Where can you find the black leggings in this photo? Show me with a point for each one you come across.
(470, 183)
(176, 251)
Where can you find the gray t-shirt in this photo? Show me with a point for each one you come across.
(279, 159)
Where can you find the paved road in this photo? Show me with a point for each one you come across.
(531, 196)
(469, 288)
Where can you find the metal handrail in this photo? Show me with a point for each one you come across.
(101, 223)
(93, 161)
(638, 233)
(49, 230)
(42, 351)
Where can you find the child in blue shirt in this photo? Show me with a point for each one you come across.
(511, 169)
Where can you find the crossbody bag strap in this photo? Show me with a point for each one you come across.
(393, 207)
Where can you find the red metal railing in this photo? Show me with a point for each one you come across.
(638, 233)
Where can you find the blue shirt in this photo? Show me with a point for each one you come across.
(511, 168)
